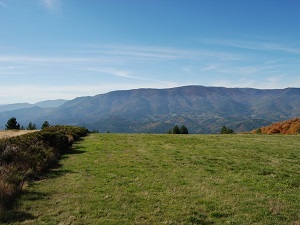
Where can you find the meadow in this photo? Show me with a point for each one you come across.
(169, 179)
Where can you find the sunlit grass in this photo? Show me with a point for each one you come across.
(171, 179)
(13, 133)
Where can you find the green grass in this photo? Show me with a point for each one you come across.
(169, 179)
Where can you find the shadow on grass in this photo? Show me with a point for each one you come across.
(12, 214)
(75, 150)
(33, 195)
(54, 173)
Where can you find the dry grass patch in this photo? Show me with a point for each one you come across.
(12, 133)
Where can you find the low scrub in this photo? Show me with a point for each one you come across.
(291, 126)
(28, 156)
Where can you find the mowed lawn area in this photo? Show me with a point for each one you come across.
(170, 179)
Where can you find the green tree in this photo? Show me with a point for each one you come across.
(45, 125)
(226, 130)
(223, 130)
(184, 130)
(176, 130)
(258, 131)
(31, 126)
(12, 124)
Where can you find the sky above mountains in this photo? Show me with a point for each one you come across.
(53, 49)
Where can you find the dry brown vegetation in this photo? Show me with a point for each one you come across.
(291, 126)
(12, 133)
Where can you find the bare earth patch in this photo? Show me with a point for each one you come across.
(12, 133)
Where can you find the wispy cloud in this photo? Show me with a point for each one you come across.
(268, 82)
(8, 70)
(259, 45)
(51, 5)
(272, 47)
(39, 92)
(3, 4)
(157, 53)
(126, 74)
(210, 68)
(112, 71)
(95, 69)
(233, 69)
(122, 54)
(22, 93)
(44, 59)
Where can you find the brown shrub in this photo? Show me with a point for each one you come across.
(283, 127)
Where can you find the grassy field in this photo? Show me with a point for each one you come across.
(169, 179)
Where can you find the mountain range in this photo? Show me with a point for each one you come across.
(201, 109)
(42, 104)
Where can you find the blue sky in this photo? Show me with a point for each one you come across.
(51, 49)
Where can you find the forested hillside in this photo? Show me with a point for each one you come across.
(201, 109)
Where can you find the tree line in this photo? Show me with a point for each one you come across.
(183, 130)
(12, 124)
(176, 130)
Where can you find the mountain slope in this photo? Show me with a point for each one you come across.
(201, 109)
(50, 103)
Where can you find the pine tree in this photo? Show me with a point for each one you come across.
(226, 130)
(31, 126)
(45, 125)
(12, 124)
(184, 130)
(176, 130)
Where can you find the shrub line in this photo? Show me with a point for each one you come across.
(28, 156)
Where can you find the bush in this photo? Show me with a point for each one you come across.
(56, 140)
(28, 156)
(10, 184)
(75, 132)
(258, 131)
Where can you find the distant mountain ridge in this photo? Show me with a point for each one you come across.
(202, 109)
(42, 104)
